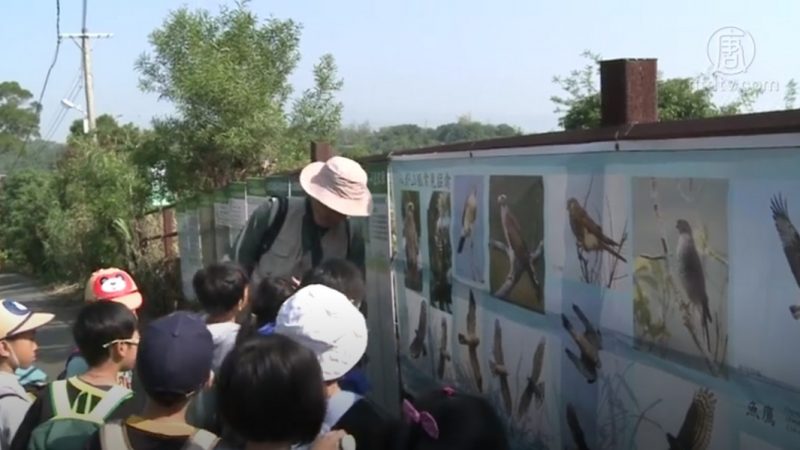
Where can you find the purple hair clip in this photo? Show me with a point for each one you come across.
(423, 418)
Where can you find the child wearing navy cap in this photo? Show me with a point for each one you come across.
(173, 363)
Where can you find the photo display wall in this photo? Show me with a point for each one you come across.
(610, 300)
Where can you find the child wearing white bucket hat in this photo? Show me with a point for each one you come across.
(326, 322)
(18, 327)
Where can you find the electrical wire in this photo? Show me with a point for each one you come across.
(72, 95)
(46, 81)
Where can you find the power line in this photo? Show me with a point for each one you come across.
(46, 81)
(62, 112)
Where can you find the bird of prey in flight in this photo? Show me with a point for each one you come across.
(472, 340)
(790, 240)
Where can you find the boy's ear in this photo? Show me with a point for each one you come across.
(245, 300)
(5, 352)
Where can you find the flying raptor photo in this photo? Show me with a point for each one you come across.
(418, 347)
(471, 341)
(444, 350)
(698, 423)
(790, 241)
(534, 388)
(589, 344)
(516, 225)
(498, 367)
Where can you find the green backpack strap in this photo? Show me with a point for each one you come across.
(60, 399)
(116, 395)
(201, 440)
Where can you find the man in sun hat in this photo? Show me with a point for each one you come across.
(326, 322)
(287, 236)
(18, 346)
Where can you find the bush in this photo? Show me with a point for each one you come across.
(26, 200)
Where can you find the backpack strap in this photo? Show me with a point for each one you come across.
(116, 395)
(112, 436)
(201, 440)
(275, 227)
(60, 398)
(338, 405)
(8, 392)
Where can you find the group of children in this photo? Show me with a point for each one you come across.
(278, 365)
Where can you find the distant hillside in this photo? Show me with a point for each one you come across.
(38, 155)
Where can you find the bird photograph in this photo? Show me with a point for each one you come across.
(589, 344)
(440, 251)
(534, 387)
(418, 347)
(698, 423)
(595, 245)
(411, 245)
(471, 340)
(498, 367)
(681, 269)
(444, 350)
(468, 225)
(516, 227)
(575, 430)
(790, 241)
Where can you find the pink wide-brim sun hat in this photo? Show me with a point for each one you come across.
(340, 184)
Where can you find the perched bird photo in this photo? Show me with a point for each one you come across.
(521, 260)
(444, 352)
(471, 340)
(468, 217)
(691, 276)
(498, 366)
(695, 433)
(588, 234)
(575, 429)
(534, 388)
(440, 251)
(790, 240)
(417, 347)
(589, 343)
(411, 238)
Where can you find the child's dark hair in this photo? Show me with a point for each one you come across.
(220, 287)
(266, 299)
(465, 422)
(341, 275)
(99, 323)
(270, 389)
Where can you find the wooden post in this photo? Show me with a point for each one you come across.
(628, 91)
(321, 151)
(167, 230)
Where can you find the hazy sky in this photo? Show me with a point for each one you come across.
(414, 61)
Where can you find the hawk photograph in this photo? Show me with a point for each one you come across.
(597, 226)
(681, 269)
(767, 214)
(516, 240)
(440, 253)
(410, 230)
(469, 223)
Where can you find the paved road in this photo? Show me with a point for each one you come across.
(55, 339)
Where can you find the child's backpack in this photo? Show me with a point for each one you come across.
(69, 429)
(112, 437)
(63, 374)
(32, 379)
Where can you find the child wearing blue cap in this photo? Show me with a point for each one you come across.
(174, 362)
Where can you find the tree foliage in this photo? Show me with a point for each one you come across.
(227, 76)
(19, 116)
(678, 98)
(361, 139)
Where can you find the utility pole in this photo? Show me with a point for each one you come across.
(86, 51)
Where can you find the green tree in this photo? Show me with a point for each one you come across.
(678, 98)
(227, 76)
(19, 116)
(790, 97)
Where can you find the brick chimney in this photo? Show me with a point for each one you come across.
(628, 92)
